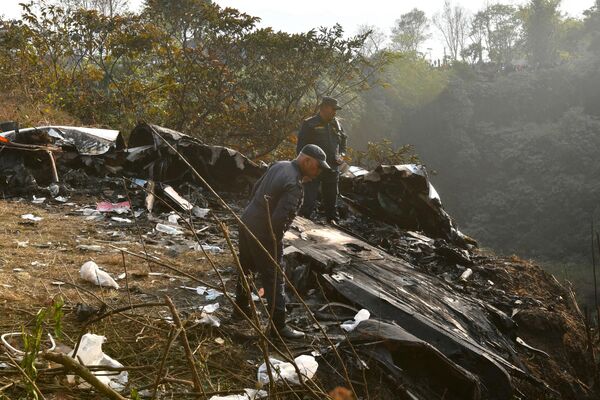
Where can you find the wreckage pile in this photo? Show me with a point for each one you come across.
(399, 303)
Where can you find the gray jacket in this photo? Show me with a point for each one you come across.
(282, 184)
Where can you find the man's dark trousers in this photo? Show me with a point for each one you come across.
(328, 182)
(254, 260)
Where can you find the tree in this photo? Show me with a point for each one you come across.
(105, 7)
(453, 23)
(410, 31)
(541, 19)
(375, 41)
(498, 30)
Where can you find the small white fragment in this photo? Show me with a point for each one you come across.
(360, 316)
(168, 229)
(466, 275)
(92, 273)
(31, 217)
(207, 319)
(200, 212)
(38, 200)
(209, 308)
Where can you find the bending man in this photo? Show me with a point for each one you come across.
(281, 185)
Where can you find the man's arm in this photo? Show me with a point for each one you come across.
(302, 137)
(286, 209)
(343, 139)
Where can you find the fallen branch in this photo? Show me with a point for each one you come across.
(186, 345)
(80, 370)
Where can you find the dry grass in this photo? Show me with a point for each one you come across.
(33, 256)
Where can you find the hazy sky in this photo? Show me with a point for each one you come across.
(300, 16)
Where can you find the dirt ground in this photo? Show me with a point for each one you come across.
(40, 262)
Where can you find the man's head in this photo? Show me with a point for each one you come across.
(328, 108)
(312, 160)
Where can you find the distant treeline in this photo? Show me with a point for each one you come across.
(187, 64)
(516, 148)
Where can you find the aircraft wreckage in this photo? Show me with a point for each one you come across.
(397, 254)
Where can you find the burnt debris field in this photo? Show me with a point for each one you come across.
(118, 264)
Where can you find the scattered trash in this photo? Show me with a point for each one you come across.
(168, 229)
(31, 217)
(119, 219)
(50, 345)
(119, 208)
(38, 200)
(173, 218)
(307, 365)
(200, 212)
(22, 244)
(177, 199)
(360, 316)
(208, 319)
(220, 341)
(61, 199)
(249, 394)
(212, 294)
(90, 247)
(209, 308)
(466, 274)
(207, 248)
(92, 273)
(90, 353)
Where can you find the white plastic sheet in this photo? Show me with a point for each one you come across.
(307, 365)
(92, 273)
(360, 316)
(90, 353)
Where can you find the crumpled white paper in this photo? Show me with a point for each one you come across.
(360, 316)
(307, 365)
(92, 273)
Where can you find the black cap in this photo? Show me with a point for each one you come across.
(314, 151)
(330, 101)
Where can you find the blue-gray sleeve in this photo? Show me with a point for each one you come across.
(286, 209)
(302, 137)
(343, 141)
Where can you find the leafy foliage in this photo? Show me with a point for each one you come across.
(191, 65)
(516, 149)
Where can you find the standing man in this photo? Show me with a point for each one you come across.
(282, 186)
(324, 130)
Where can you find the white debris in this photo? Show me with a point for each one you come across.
(92, 273)
(212, 294)
(200, 212)
(22, 244)
(360, 316)
(307, 365)
(466, 275)
(173, 218)
(90, 353)
(31, 217)
(209, 248)
(90, 247)
(249, 394)
(119, 219)
(38, 200)
(209, 308)
(61, 199)
(207, 319)
(168, 229)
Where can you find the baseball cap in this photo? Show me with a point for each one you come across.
(330, 101)
(314, 151)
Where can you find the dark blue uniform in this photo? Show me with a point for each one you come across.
(331, 138)
(282, 184)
